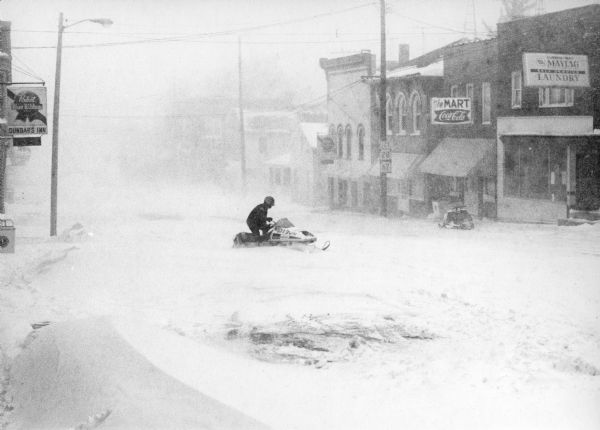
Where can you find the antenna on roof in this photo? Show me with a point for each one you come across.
(470, 25)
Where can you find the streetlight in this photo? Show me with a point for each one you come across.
(105, 22)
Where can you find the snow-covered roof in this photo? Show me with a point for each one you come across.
(282, 160)
(311, 130)
(433, 69)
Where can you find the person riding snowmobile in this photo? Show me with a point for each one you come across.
(258, 221)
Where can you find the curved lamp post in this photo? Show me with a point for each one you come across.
(105, 22)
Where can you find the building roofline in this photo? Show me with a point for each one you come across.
(545, 15)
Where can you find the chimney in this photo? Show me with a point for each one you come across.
(403, 53)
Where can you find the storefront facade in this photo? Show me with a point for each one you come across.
(547, 167)
(548, 134)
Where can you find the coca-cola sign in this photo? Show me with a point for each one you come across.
(451, 110)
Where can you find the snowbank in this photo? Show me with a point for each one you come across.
(71, 371)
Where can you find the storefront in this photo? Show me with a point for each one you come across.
(346, 185)
(405, 183)
(547, 166)
(462, 171)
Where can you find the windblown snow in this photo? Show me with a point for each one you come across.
(148, 318)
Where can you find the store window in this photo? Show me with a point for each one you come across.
(454, 91)
(361, 142)
(348, 142)
(486, 103)
(535, 170)
(342, 192)
(340, 138)
(517, 89)
(556, 97)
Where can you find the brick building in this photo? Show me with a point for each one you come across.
(409, 88)
(548, 153)
(461, 169)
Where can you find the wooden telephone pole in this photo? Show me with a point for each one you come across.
(384, 147)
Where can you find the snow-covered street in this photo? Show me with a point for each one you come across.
(398, 325)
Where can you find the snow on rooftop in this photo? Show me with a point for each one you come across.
(311, 130)
(433, 69)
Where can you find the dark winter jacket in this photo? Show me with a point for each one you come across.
(258, 217)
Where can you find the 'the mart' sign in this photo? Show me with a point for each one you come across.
(555, 70)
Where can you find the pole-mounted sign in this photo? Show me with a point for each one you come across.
(26, 113)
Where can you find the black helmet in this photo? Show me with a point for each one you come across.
(270, 201)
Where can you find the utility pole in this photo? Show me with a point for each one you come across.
(241, 108)
(105, 22)
(54, 167)
(5, 138)
(384, 148)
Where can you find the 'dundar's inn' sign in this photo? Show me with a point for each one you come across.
(26, 113)
(555, 70)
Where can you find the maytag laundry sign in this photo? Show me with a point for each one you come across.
(26, 114)
(555, 70)
(451, 110)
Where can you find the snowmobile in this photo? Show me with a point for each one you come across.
(457, 217)
(281, 233)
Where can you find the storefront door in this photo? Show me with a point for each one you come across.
(587, 192)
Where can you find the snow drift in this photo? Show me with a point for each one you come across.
(82, 374)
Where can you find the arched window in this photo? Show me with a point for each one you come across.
(348, 142)
(361, 142)
(402, 113)
(416, 111)
(340, 133)
(389, 115)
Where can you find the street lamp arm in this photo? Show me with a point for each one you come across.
(105, 22)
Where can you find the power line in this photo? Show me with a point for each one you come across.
(24, 65)
(219, 33)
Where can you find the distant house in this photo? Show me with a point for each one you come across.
(267, 136)
(309, 183)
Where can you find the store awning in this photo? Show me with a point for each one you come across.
(403, 165)
(461, 157)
